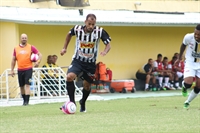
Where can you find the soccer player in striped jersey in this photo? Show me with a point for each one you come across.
(192, 64)
(88, 38)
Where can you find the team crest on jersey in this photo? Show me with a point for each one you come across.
(22, 52)
(87, 45)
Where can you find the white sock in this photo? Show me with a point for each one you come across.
(191, 96)
(177, 84)
(166, 81)
(160, 81)
(146, 86)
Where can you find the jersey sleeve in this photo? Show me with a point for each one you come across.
(72, 31)
(155, 64)
(185, 39)
(34, 49)
(169, 66)
(146, 68)
(105, 37)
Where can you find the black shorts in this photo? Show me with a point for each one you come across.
(87, 69)
(141, 76)
(24, 77)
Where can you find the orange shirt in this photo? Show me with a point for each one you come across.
(23, 55)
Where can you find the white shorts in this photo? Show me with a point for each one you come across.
(179, 74)
(192, 69)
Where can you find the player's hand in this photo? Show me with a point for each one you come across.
(63, 51)
(12, 73)
(103, 53)
(177, 62)
(36, 64)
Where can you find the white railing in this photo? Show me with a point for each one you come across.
(45, 83)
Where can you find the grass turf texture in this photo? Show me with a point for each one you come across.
(131, 115)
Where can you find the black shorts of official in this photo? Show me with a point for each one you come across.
(87, 69)
(141, 76)
(24, 77)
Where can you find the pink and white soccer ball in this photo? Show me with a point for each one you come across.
(69, 107)
(34, 57)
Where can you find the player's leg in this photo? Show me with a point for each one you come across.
(88, 78)
(171, 80)
(179, 75)
(166, 84)
(21, 84)
(28, 76)
(73, 71)
(144, 77)
(189, 73)
(153, 82)
(148, 77)
(70, 86)
(160, 81)
(86, 92)
(194, 91)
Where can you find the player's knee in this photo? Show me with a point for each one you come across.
(86, 85)
(148, 76)
(187, 85)
(196, 90)
(70, 77)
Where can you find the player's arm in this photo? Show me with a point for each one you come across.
(67, 40)
(182, 49)
(106, 40)
(13, 62)
(183, 46)
(148, 69)
(35, 51)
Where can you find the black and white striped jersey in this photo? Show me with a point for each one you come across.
(87, 44)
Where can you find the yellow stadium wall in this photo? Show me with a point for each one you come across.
(131, 46)
(148, 5)
(9, 35)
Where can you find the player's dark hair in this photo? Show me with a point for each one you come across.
(54, 55)
(159, 55)
(174, 58)
(91, 16)
(175, 54)
(198, 27)
(149, 59)
(165, 58)
(49, 56)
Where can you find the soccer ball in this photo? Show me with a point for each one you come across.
(34, 57)
(69, 107)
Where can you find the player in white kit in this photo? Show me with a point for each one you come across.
(192, 64)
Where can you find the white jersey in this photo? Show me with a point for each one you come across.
(193, 50)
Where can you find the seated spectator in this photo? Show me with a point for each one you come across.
(168, 77)
(177, 71)
(145, 73)
(48, 76)
(55, 58)
(158, 70)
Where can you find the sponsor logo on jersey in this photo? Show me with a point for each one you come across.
(87, 45)
(86, 55)
(195, 55)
